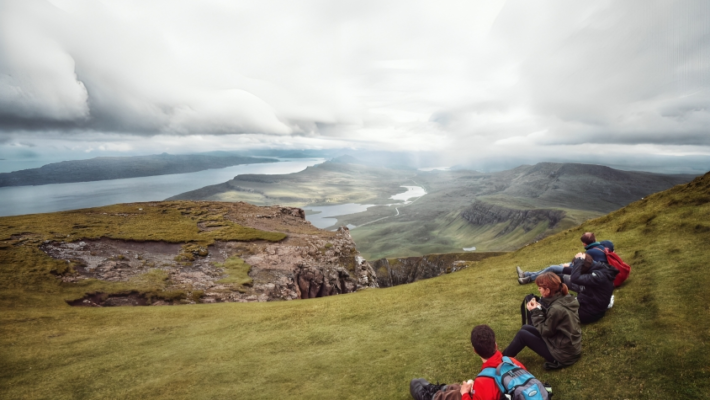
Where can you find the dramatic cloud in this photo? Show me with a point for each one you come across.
(485, 80)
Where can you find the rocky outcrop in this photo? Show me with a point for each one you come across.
(309, 263)
(481, 213)
(398, 271)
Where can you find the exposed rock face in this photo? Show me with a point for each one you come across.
(309, 263)
(398, 271)
(481, 213)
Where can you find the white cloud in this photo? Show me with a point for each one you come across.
(37, 76)
(498, 78)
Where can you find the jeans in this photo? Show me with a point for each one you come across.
(528, 336)
(557, 269)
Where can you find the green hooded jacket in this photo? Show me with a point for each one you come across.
(560, 328)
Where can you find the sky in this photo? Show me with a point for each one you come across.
(467, 82)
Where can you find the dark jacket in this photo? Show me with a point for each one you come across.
(558, 323)
(596, 288)
(596, 250)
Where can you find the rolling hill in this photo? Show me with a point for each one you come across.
(654, 343)
(499, 211)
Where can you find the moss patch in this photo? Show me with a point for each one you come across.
(237, 272)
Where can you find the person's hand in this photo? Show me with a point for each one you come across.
(532, 304)
(579, 255)
(466, 387)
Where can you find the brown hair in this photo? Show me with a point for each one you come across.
(550, 280)
(588, 238)
(483, 340)
(587, 263)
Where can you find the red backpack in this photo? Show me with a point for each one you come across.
(615, 261)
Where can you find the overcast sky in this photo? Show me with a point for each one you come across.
(471, 80)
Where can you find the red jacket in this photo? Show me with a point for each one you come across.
(485, 388)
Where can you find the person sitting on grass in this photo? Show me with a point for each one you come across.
(591, 246)
(594, 283)
(483, 340)
(555, 333)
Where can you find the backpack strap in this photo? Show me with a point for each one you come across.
(490, 372)
(495, 374)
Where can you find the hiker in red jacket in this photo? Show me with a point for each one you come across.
(483, 340)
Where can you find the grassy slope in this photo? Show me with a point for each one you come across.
(433, 223)
(323, 184)
(653, 344)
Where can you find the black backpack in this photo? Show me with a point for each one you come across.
(524, 313)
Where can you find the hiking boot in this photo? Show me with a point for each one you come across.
(552, 365)
(421, 389)
(520, 272)
(525, 280)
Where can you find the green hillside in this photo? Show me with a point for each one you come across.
(461, 209)
(654, 343)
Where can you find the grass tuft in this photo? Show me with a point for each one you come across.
(237, 272)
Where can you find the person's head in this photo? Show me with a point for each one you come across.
(588, 238)
(587, 263)
(550, 284)
(483, 340)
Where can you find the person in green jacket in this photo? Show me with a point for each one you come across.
(556, 332)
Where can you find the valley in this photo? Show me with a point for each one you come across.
(498, 211)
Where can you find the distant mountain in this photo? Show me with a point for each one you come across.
(497, 211)
(105, 168)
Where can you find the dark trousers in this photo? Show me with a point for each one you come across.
(418, 390)
(528, 336)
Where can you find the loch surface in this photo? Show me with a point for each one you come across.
(20, 200)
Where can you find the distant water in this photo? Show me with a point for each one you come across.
(324, 216)
(412, 192)
(70, 196)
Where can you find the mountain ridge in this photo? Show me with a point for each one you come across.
(443, 220)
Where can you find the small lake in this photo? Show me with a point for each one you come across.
(411, 193)
(323, 216)
(18, 200)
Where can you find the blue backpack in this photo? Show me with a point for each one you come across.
(516, 383)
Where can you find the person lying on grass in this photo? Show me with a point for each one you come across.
(594, 283)
(483, 340)
(591, 246)
(555, 333)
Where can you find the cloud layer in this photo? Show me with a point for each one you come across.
(501, 78)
